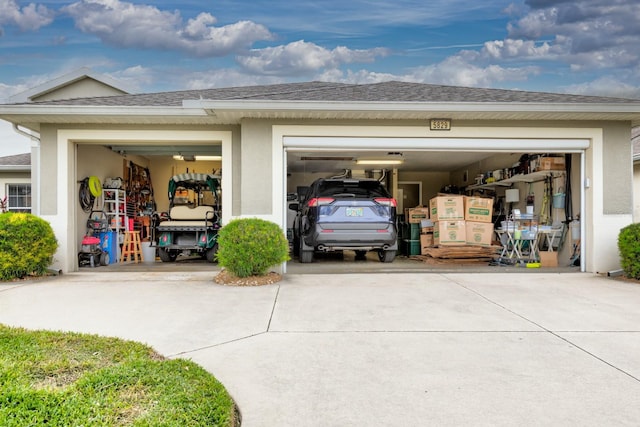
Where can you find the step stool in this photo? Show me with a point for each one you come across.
(131, 248)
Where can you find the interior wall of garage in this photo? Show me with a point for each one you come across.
(96, 160)
(162, 168)
(432, 182)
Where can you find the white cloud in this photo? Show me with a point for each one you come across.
(134, 78)
(227, 77)
(457, 71)
(358, 77)
(593, 34)
(453, 71)
(27, 18)
(300, 57)
(605, 86)
(129, 25)
(509, 48)
(11, 142)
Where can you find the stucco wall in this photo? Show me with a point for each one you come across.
(617, 160)
(636, 192)
(48, 171)
(256, 168)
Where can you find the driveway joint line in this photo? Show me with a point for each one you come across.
(547, 330)
(273, 309)
(206, 347)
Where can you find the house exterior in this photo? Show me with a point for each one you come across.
(273, 139)
(635, 146)
(15, 182)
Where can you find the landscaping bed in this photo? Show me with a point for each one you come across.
(55, 378)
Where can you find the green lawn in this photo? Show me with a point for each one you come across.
(70, 379)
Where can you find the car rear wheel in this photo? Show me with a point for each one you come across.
(305, 255)
(387, 256)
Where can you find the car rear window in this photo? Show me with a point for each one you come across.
(352, 188)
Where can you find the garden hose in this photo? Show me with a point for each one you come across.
(95, 186)
(85, 196)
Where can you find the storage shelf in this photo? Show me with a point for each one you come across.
(529, 177)
(114, 207)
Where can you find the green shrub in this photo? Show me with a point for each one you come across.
(27, 245)
(250, 246)
(629, 248)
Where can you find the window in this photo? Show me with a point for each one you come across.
(19, 197)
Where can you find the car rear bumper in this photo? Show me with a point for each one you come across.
(324, 240)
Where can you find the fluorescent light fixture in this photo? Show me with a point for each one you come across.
(379, 161)
(192, 158)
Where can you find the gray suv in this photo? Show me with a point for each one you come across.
(346, 214)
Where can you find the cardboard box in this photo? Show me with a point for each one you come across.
(548, 259)
(478, 209)
(479, 233)
(452, 233)
(551, 164)
(417, 214)
(446, 208)
(426, 241)
(426, 230)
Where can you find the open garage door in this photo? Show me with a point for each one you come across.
(139, 190)
(544, 173)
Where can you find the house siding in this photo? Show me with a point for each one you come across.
(618, 183)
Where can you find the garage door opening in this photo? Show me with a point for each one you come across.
(534, 196)
(142, 188)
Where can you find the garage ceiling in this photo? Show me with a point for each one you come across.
(335, 161)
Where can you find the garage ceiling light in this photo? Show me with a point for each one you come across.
(187, 158)
(327, 158)
(379, 161)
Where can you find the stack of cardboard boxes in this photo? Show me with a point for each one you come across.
(454, 220)
(415, 217)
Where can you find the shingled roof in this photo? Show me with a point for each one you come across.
(392, 91)
(17, 161)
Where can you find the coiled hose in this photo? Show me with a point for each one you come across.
(85, 196)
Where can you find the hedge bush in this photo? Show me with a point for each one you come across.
(629, 248)
(250, 246)
(27, 245)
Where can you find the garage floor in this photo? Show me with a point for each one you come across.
(336, 264)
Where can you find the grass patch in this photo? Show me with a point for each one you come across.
(70, 379)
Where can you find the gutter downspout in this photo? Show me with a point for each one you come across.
(35, 149)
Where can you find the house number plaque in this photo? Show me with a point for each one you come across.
(440, 124)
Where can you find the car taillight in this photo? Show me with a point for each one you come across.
(320, 201)
(386, 201)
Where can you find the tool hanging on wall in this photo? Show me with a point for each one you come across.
(531, 200)
(545, 209)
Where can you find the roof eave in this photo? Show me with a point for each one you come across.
(264, 105)
(15, 168)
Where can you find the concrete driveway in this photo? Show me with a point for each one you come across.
(375, 350)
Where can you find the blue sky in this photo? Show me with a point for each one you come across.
(543, 45)
(583, 47)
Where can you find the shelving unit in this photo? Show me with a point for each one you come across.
(530, 177)
(115, 208)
